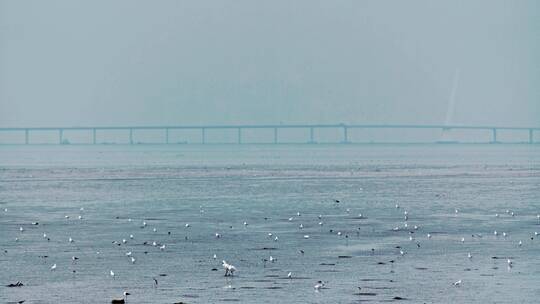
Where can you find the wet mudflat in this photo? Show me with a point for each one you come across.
(321, 213)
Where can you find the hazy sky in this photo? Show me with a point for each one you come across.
(195, 62)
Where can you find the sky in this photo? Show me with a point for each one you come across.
(113, 63)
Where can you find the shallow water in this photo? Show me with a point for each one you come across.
(215, 188)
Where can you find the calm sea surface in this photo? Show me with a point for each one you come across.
(216, 188)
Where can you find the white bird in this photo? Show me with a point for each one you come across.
(301, 226)
(82, 209)
(463, 240)
(124, 241)
(469, 255)
(272, 259)
(269, 234)
(66, 216)
(144, 224)
(128, 253)
(410, 238)
(154, 243)
(401, 252)
(276, 239)
(70, 240)
(187, 225)
(457, 283)
(520, 243)
(456, 211)
(44, 235)
(245, 223)
(360, 215)
(162, 247)
(53, 267)
(155, 230)
(218, 235)
(80, 217)
(397, 206)
(129, 220)
(504, 234)
(290, 219)
(131, 236)
(509, 262)
(495, 233)
(319, 285)
(339, 233)
(496, 215)
(415, 227)
(306, 236)
(21, 229)
(536, 233)
(112, 274)
(429, 235)
(320, 223)
(289, 275)
(229, 269)
(132, 260)
(297, 213)
(215, 256)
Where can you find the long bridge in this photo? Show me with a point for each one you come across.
(276, 128)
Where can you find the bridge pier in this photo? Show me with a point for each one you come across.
(60, 136)
(131, 136)
(494, 135)
(239, 135)
(311, 135)
(531, 136)
(275, 136)
(94, 136)
(26, 136)
(167, 136)
(203, 136)
(345, 135)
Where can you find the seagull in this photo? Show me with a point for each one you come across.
(429, 235)
(306, 236)
(80, 217)
(509, 262)
(53, 267)
(132, 260)
(121, 301)
(70, 240)
(215, 256)
(131, 236)
(289, 275)
(74, 258)
(187, 225)
(469, 255)
(272, 259)
(218, 235)
(155, 230)
(495, 233)
(124, 241)
(229, 269)
(520, 243)
(245, 223)
(162, 247)
(504, 234)
(319, 285)
(463, 240)
(128, 253)
(44, 235)
(457, 283)
(401, 252)
(21, 229)
(112, 274)
(144, 224)
(276, 239)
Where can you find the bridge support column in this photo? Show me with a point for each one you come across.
(311, 135)
(26, 136)
(131, 136)
(531, 136)
(345, 135)
(60, 136)
(167, 136)
(239, 135)
(94, 136)
(275, 136)
(203, 136)
(494, 135)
